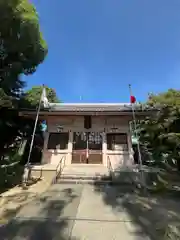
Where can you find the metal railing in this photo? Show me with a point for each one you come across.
(59, 169)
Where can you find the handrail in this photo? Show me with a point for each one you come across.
(109, 166)
(59, 168)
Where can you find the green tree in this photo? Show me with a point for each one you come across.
(13, 126)
(22, 47)
(169, 98)
(161, 133)
(33, 95)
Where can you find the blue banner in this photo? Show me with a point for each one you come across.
(43, 126)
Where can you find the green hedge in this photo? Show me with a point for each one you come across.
(11, 172)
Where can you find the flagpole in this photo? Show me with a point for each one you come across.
(136, 135)
(32, 139)
(87, 147)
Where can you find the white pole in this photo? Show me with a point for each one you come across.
(34, 131)
(136, 135)
(32, 141)
(87, 147)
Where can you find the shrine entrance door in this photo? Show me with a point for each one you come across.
(87, 147)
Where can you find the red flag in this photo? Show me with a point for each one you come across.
(132, 99)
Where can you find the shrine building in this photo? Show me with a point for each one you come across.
(87, 133)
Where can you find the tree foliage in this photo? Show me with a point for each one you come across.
(170, 98)
(33, 95)
(22, 47)
(161, 133)
(12, 126)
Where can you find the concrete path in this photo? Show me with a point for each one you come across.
(13, 199)
(72, 212)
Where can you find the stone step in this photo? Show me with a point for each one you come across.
(120, 185)
(84, 177)
(89, 166)
(85, 170)
(83, 181)
(85, 173)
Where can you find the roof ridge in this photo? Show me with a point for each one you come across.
(91, 104)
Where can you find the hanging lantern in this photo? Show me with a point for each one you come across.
(59, 128)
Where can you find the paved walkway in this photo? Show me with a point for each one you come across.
(14, 198)
(72, 212)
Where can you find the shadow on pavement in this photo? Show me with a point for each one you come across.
(157, 215)
(13, 203)
(47, 224)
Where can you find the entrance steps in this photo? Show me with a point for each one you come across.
(86, 173)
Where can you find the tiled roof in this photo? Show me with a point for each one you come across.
(94, 107)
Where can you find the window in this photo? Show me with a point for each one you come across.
(79, 141)
(58, 140)
(95, 141)
(86, 139)
(117, 141)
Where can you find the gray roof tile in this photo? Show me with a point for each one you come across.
(97, 107)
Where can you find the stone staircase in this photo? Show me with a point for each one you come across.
(85, 173)
(92, 174)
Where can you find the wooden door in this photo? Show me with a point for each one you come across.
(95, 148)
(87, 148)
(79, 153)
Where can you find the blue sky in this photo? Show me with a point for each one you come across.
(98, 47)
